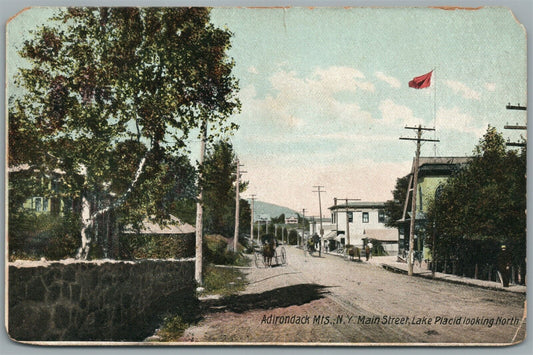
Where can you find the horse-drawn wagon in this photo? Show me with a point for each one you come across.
(270, 254)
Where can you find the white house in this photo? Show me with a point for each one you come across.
(356, 222)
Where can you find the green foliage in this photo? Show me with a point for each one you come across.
(156, 246)
(394, 208)
(217, 281)
(482, 206)
(216, 251)
(177, 321)
(172, 328)
(218, 180)
(293, 237)
(108, 89)
(223, 281)
(32, 236)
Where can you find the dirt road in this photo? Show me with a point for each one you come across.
(331, 300)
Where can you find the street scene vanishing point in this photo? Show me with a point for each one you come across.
(266, 176)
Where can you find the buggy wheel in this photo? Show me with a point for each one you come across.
(257, 259)
(283, 256)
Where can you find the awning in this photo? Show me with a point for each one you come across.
(383, 235)
(330, 235)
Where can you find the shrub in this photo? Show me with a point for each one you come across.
(293, 237)
(216, 251)
(157, 246)
(32, 236)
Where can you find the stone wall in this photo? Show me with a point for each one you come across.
(96, 301)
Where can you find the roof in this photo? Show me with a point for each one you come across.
(27, 167)
(175, 226)
(384, 235)
(358, 204)
(439, 163)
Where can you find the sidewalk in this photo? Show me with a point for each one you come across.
(391, 263)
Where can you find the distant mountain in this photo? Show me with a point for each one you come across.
(265, 208)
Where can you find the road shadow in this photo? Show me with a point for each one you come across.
(294, 295)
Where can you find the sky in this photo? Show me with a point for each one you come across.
(325, 93)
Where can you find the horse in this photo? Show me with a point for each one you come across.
(354, 252)
(269, 250)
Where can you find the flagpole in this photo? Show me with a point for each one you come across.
(435, 111)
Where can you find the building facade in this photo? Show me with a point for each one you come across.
(356, 223)
(432, 173)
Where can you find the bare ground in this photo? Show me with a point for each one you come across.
(329, 300)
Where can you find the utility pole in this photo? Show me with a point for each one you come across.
(318, 187)
(237, 203)
(516, 127)
(303, 229)
(252, 220)
(418, 139)
(199, 211)
(347, 219)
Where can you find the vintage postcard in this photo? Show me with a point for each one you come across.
(266, 176)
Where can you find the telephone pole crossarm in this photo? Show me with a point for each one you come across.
(420, 128)
(515, 127)
(516, 107)
(419, 140)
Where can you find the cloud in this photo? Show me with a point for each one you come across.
(490, 86)
(392, 81)
(454, 119)
(338, 79)
(462, 89)
(394, 114)
(293, 100)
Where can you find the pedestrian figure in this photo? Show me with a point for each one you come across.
(504, 265)
(370, 249)
(367, 252)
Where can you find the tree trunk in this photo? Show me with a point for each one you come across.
(88, 220)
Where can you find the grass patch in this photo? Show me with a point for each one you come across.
(172, 328)
(223, 281)
(217, 281)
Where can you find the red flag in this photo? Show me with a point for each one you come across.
(422, 81)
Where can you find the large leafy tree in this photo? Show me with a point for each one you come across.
(483, 206)
(219, 179)
(111, 96)
(394, 207)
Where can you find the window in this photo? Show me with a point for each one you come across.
(350, 217)
(365, 217)
(381, 216)
(38, 204)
